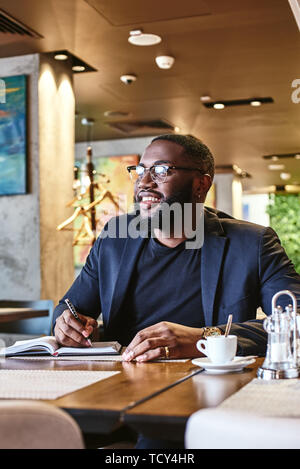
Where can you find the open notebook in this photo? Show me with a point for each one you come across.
(48, 346)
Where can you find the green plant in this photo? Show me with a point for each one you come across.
(284, 212)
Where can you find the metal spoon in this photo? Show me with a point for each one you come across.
(228, 325)
(246, 358)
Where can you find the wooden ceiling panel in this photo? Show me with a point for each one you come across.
(229, 49)
(124, 13)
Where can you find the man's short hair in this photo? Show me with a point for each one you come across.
(194, 148)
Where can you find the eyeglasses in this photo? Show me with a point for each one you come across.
(158, 172)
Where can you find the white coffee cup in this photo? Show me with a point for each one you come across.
(219, 349)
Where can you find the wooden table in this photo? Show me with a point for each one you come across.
(15, 313)
(152, 398)
(167, 413)
(100, 407)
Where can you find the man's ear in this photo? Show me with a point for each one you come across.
(202, 184)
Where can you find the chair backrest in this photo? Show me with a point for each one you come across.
(37, 425)
(33, 326)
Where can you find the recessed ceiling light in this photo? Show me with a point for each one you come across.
(87, 121)
(285, 176)
(205, 98)
(240, 102)
(255, 103)
(75, 63)
(136, 32)
(78, 68)
(177, 129)
(116, 113)
(138, 38)
(297, 157)
(275, 167)
(219, 106)
(61, 57)
(128, 79)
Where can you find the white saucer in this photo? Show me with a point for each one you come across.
(237, 364)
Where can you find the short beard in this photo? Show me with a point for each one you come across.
(153, 221)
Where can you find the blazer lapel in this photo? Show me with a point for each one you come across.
(129, 257)
(211, 263)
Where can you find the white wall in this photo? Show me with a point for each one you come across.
(255, 207)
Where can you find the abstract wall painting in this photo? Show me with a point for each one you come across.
(13, 129)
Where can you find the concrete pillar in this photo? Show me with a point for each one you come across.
(228, 189)
(36, 261)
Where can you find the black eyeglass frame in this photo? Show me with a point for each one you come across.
(155, 177)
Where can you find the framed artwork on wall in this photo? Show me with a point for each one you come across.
(115, 183)
(13, 130)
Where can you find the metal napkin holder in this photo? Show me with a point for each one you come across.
(269, 369)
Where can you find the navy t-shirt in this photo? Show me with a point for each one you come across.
(165, 286)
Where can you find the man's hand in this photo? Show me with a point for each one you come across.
(71, 333)
(150, 343)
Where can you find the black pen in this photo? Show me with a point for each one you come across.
(73, 311)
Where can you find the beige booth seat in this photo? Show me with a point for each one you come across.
(36, 425)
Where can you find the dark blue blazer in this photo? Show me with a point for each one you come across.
(242, 266)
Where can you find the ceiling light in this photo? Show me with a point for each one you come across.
(138, 38)
(205, 98)
(177, 129)
(255, 103)
(128, 79)
(115, 113)
(87, 121)
(282, 156)
(219, 106)
(240, 102)
(78, 68)
(75, 63)
(136, 32)
(285, 176)
(232, 168)
(61, 57)
(276, 167)
(164, 61)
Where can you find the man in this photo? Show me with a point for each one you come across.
(159, 298)
(155, 296)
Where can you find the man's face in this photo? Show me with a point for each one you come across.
(180, 186)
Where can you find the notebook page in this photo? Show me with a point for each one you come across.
(45, 343)
(46, 384)
(96, 358)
